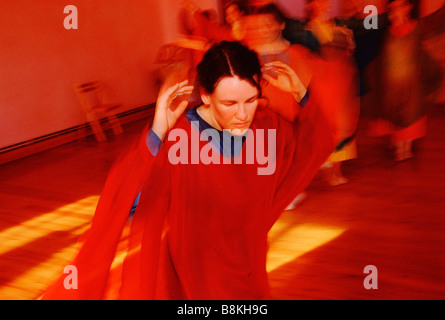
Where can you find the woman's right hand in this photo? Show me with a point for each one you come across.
(167, 112)
(286, 79)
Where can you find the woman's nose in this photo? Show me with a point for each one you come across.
(241, 113)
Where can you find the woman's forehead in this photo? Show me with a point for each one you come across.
(234, 87)
(256, 20)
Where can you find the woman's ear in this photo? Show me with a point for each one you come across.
(205, 97)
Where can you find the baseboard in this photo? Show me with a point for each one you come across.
(39, 144)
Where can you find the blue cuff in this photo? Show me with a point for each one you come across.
(153, 142)
(305, 99)
(135, 203)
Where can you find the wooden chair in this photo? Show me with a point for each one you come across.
(91, 98)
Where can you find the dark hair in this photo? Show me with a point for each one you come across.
(271, 9)
(229, 59)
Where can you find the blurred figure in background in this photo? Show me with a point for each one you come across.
(335, 45)
(367, 40)
(264, 35)
(207, 31)
(401, 80)
(264, 27)
(210, 29)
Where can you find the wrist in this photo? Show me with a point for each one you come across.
(159, 130)
(299, 93)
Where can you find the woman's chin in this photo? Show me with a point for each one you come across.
(238, 131)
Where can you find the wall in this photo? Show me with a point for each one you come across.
(40, 60)
(293, 9)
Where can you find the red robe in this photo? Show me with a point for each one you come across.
(302, 62)
(199, 231)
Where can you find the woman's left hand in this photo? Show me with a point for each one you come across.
(286, 79)
(167, 112)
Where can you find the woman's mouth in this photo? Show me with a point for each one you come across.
(241, 124)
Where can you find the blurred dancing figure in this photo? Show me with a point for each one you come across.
(401, 80)
(199, 230)
(264, 27)
(264, 35)
(231, 29)
(335, 45)
(206, 32)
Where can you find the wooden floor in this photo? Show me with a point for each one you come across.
(391, 215)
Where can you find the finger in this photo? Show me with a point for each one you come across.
(181, 107)
(277, 64)
(279, 71)
(181, 87)
(268, 78)
(166, 93)
(185, 90)
(169, 93)
(183, 83)
(284, 69)
(175, 87)
(181, 92)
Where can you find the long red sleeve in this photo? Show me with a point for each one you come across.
(99, 243)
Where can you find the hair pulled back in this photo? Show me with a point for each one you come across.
(228, 59)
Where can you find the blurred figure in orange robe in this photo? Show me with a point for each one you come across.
(402, 80)
(336, 47)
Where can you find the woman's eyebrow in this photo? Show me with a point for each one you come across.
(234, 101)
(253, 97)
(228, 101)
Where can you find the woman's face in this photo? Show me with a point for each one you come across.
(269, 29)
(232, 105)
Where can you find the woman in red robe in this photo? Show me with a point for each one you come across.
(200, 227)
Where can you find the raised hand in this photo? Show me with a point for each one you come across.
(169, 108)
(190, 5)
(349, 36)
(284, 79)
